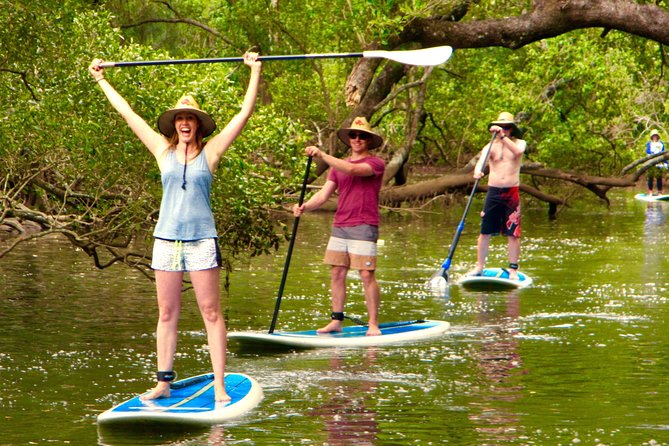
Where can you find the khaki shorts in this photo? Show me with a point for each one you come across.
(353, 247)
(175, 255)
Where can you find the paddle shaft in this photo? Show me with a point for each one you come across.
(447, 263)
(284, 276)
(140, 63)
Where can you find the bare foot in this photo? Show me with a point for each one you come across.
(513, 274)
(162, 390)
(221, 395)
(332, 327)
(475, 272)
(373, 330)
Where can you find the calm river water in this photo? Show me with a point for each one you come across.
(580, 358)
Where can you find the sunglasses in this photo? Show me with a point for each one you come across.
(358, 135)
(505, 127)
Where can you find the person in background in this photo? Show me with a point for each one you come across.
(185, 237)
(656, 172)
(501, 211)
(355, 230)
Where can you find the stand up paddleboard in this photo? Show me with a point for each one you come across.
(646, 197)
(495, 278)
(351, 336)
(191, 402)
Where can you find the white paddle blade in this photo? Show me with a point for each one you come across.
(437, 283)
(426, 57)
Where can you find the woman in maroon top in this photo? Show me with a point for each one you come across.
(355, 230)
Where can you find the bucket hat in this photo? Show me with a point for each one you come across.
(186, 103)
(506, 118)
(360, 124)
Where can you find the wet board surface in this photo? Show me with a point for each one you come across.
(191, 402)
(495, 278)
(351, 336)
(646, 197)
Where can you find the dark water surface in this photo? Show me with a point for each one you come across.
(580, 358)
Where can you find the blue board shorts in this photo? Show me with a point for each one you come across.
(353, 247)
(177, 255)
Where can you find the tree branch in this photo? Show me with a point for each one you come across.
(548, 18)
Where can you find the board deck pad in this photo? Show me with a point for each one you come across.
(646, 197)
(351, 336)
(495, 278)
(191, 402)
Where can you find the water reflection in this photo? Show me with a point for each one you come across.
(158, 435)
(653, 241)
(498, 359)
(596, 335)
(347, 418)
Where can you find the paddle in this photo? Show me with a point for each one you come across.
(423, 57)
(290, 249)
(440, 276)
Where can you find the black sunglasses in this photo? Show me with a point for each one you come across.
(505, 126)
(358, 135)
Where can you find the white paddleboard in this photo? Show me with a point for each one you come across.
(191, 402)
(495, 278)
(646, 197)
(351, 336)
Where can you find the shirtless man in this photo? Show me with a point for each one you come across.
(501, 211)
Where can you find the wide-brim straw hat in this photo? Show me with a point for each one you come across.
(186, 103)
(506, 118)
(360, 124)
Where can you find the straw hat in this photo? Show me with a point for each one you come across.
(654, 132)
(187, 103)
(506, 118)
(360, 124)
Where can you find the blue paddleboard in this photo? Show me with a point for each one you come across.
(351, 336)
(646, 197)
(191, 402)
(495, 278)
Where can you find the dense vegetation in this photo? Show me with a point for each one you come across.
(586, 100)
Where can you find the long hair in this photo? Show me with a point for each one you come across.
(174, 140)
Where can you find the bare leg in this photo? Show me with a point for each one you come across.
(168, 287)
(373, 300)
(338, 287)
(514, 255)
(207, 292)
(482, 248)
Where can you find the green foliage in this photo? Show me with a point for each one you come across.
(585, 103)
(60, 128)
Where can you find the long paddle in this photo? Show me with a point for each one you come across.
(440, 276)
(423, 57)
(290, 249)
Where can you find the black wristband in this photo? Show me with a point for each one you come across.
(513, 265)
(337, 316)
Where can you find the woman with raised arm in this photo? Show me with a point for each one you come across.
(185, 235)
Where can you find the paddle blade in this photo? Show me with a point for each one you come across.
(426, 57)
(439, 280)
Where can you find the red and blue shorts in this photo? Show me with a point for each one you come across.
(501, 211)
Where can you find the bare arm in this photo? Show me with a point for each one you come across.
(317, 199)
(478, 169)
(354, 169)
(219, 144)
(154, 141)
(516, 147)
